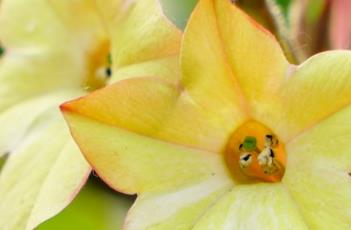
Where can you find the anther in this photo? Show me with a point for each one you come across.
(253, 152)
(272, 153)
(245, 160)
(266, 158)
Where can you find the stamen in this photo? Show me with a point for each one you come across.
(266, 158)
(253, 152)
(245, 160)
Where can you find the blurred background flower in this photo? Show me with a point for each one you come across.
(53, 51)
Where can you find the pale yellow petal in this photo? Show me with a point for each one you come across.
(318, 172)
(141, 36)
(316, 89)
(41, 176)
(16, 121)
(38, 24)
(30, 72)
(176, 209)
(256, 206)
(57, 24)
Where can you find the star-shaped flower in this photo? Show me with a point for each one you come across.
(243, 140)
(53, 51)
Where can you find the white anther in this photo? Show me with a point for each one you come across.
(245, 160)
(264, 158)
(267, 162)
(270, 141)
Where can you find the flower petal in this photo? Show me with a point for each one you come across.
(179, 208)
(16, 121)
(166, 68)
(33, 186)
(254, 55)
(205, 73)
(317, 89)
(134, 163)
(155, 108)
(225, 59)
(318, 172)
(256, 206)
(30, 72)
(154, 37)
(47, 47)
(50, 23)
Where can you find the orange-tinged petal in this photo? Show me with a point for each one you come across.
(155, 108)
(286, 98)
(205, 72)
(253, 54)
(133, 163)
(318, 172)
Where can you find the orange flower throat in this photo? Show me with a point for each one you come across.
(254, 153)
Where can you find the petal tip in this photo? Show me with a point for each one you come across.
(66, 107)
(70, 106)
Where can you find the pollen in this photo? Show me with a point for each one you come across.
(254, 153)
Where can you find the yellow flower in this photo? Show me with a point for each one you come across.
(243, 140)
(56, 50)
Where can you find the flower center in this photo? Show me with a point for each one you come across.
(99, 67)
(254, 153)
